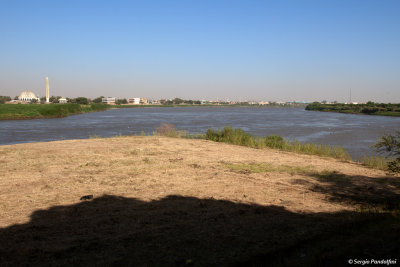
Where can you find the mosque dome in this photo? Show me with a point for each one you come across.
(27, 96)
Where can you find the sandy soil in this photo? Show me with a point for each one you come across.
(41, 185)
(40, 175)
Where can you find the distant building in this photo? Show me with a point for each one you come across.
(27, 96)
(62, 100)
(135, 100)
(108, 100)
(144, 101)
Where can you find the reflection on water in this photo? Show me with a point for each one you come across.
(355, 132)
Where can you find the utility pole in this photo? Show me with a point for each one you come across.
(47, 90)
(350, 96)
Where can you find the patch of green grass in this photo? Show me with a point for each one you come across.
(375, 162)
(240, 137)
(30, 111)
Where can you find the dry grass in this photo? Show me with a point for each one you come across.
(42, 176)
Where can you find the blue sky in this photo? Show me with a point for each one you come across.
(239, 50)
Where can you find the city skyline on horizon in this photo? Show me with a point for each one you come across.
(227, 99)
(257, 50)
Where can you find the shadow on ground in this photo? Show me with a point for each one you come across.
(187, 231)
(380, 192)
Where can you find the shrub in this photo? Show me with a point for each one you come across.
(374, 162)
(275, 141)
(169, 131)
(82, 100)
(390, 146)
(98, 106)
(231, 136)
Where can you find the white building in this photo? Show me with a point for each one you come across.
(27, 96)
(108, 100)
(62, 100)
(135, 100)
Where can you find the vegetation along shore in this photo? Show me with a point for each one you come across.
(370, 108)
(40, 111)
(164, 201)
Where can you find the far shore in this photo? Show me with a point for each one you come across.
(370, 108)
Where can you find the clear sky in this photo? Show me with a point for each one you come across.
(199, 49)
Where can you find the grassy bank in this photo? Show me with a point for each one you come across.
(36, 111)
(370, 108)
(161, 201)
(239, 137)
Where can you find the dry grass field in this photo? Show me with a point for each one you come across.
(162, 201)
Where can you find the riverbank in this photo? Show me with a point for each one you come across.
(173, 201)
(380, 109)
(41, 111)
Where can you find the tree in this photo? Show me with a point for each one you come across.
(98, 100)
(390, 145)
(81, 100)
(33, 101)
(370, 104)
(121, 101)
(178, 101)
(54, 99)
(4, 99)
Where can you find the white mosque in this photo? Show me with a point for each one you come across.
(28, 96)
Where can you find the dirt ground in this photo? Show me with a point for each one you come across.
(169, 201)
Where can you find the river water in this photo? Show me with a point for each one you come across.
(354, 132)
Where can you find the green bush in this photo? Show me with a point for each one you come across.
(240, 137)
(390, 146)
(231, 136)
(374, 162)
(275, 141)
(98, 107)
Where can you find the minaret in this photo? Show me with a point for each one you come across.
(47, 90)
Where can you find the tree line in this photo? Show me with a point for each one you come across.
(369, 108)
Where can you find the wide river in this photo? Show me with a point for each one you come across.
(354, 132)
